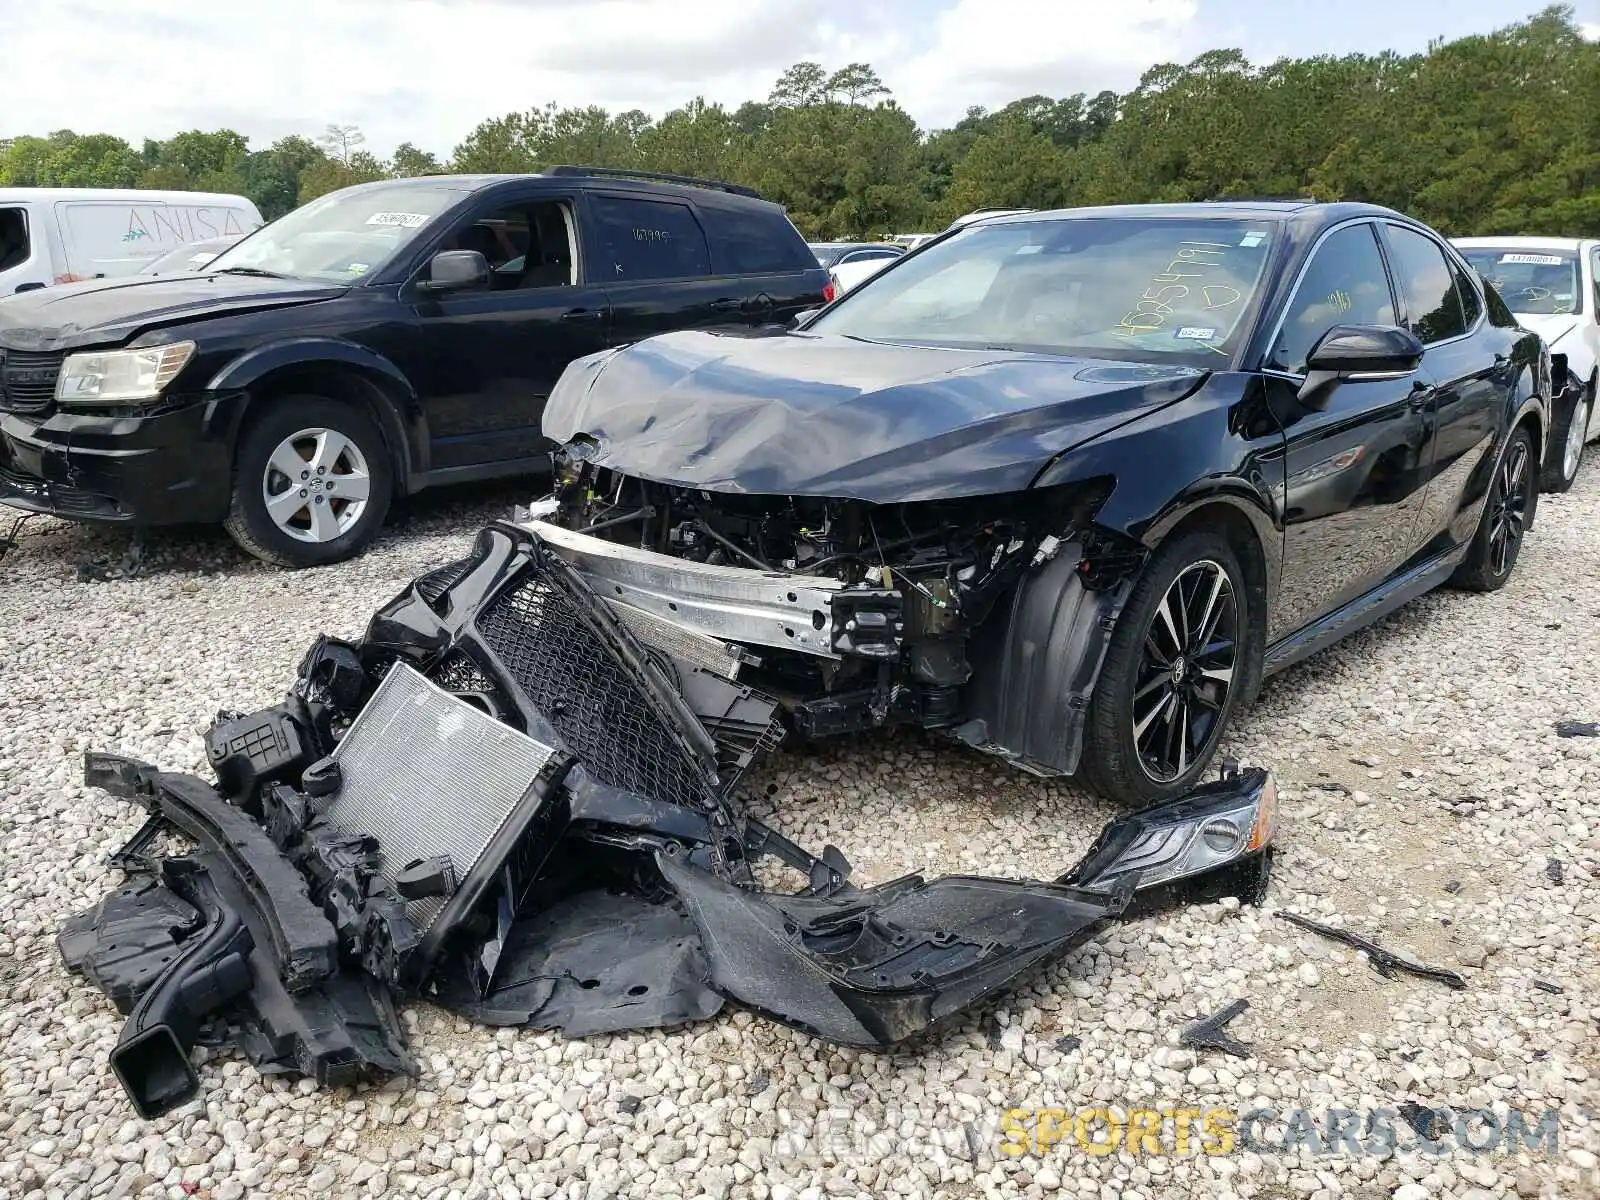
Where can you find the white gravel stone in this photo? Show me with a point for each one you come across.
(1423, 792)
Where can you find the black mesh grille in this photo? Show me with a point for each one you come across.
(458, 673)
(28, 379)
(604, 718)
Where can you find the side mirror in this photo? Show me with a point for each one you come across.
(456, 271)
(800, 318)
(1358, 353)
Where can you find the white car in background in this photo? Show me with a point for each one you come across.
(1552, 285)
(848, 274)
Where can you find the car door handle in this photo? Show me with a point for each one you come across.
(584, 314)
(726, 304)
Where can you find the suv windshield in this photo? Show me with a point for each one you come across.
(1536, 282)
(339, 237)
(1148, 289)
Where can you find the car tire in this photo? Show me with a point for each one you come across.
(1567, 439)
(338, 502)
(1164, 699)
(1507, 512)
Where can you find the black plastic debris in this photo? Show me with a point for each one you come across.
(1067, 1044)
(1553, 871)
(1384, 962)
(1429, 1124)
(501, 801)
(1578, 729)
(1544, 985)
(1210, 1033)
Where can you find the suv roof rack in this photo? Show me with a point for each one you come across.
(1263, 200)
(737, 189)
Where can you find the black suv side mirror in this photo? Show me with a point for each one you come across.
(456, 271)
(1358, 353)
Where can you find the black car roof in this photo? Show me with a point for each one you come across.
(1308, 214)
(705, 191)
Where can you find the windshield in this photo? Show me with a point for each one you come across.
(1146, 289)
(190, 257)
(340, 237)
(1535, 282)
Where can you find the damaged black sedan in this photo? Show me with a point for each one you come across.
(1064, 486)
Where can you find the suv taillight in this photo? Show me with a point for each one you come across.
(829, 292)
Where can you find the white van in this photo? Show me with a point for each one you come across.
(60, 235)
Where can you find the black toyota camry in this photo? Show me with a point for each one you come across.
(1065, 485)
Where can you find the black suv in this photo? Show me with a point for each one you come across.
(375, 342)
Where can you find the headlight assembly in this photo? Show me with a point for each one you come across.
(120, 376)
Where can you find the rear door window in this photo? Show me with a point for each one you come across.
(760, 243)
(1423, 275)
(647, 239)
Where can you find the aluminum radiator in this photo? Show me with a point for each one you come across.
(429, 775)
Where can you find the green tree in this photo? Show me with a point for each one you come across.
(801, 85)
(272, 176)
(409, 162)
(1013, 166)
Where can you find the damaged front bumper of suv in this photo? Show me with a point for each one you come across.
(505, 801)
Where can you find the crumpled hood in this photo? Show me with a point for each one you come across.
(809, 415)
(108, 312)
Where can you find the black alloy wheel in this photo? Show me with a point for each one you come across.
(1179, 662)
(1187, 666)
(1508, 508)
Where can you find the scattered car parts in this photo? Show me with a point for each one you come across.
(1211, 1033)
(1384, 962)
(502, 801)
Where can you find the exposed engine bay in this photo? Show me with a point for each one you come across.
(505, 800)
(850, 615)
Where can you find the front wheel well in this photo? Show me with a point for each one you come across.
(338, 382)
(1536, 432)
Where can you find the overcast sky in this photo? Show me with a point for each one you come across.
(427, 71)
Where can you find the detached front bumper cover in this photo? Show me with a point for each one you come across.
(503, 801)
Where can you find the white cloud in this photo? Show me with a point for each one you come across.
(990, 52)
(1590, 32)
(427, 71)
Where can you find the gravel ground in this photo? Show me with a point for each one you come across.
(1426, 802)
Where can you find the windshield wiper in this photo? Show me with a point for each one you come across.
(258, 272)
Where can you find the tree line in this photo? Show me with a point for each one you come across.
(1493, 133)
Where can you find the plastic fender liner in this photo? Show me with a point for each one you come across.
(303, 940)
(1042, 657)
(872, 968)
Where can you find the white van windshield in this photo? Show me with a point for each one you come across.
(340, 237)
